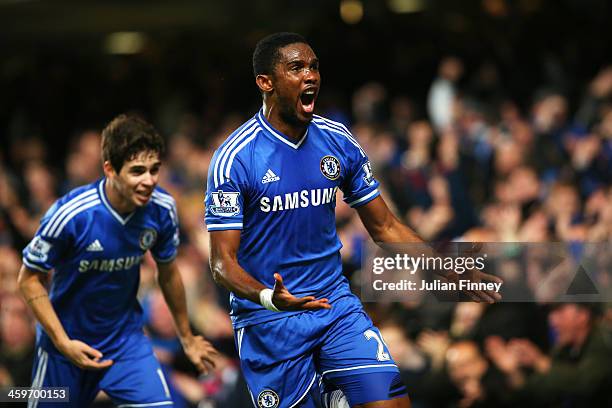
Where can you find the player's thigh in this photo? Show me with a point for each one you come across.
(277, 362)
(354, 345)
(355, 358)
(377, 389)
(139, 381)
(53, 370)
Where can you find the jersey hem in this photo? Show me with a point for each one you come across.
(365, 199)
(35, 267)
(124, 351)
(266, 318)
(223, 227)
(166, 260)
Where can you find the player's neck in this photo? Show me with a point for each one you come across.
(119, 204)
(294, 131)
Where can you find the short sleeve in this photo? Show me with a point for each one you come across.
(225, 195)
(51, 241)
(360, 187)
(166, 245)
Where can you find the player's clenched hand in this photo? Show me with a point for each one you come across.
(83, 356)
(284, 300)
(200, 352)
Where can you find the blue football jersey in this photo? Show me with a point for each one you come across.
(282, 196)
(96, 254)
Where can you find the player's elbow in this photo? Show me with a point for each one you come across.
(217, 268)
(217, 275)
(221, 278)
(223, 260)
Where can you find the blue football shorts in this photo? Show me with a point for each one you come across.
(134, 380)
(285, 360)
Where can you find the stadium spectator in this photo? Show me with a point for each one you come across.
(576, 372)
(16, 342)
(441, 101)
(478, 383)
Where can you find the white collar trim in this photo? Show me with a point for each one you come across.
(280, 137)
(114, 213)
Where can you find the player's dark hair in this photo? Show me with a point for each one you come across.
(125, 137)
(266, 53)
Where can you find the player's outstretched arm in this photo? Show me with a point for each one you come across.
(37, 297)
(201, 353)
(384, 227)
(227, 272)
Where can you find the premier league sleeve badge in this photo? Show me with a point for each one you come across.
(224, 203)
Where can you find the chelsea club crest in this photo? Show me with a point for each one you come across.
(330, 167)
(268, 399)
(147, 239)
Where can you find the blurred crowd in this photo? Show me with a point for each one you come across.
(469, 164)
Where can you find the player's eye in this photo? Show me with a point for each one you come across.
(137, 171)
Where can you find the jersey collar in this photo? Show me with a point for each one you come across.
(115, 214)
(278, 135)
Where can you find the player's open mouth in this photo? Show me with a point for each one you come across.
(143, 195)
(307, 98)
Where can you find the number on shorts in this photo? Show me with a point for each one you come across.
(380, 353)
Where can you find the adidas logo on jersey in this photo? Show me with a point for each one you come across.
(269, 177)
(95, 246)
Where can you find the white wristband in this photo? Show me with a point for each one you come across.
(265, 298)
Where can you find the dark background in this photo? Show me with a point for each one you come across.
(56, 77)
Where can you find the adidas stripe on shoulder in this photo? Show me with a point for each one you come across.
(338, 128)
(227, 153)
(166, 201)
(69, 210)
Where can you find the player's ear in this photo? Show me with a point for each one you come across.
(264, 82)
(108, 169)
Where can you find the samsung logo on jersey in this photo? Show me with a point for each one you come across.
(298, 199)
(110, 265)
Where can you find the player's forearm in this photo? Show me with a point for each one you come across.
(171, 284)
(228, 273)
(393, 231)
(383, 226)
(37, 298)
(396, 232)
